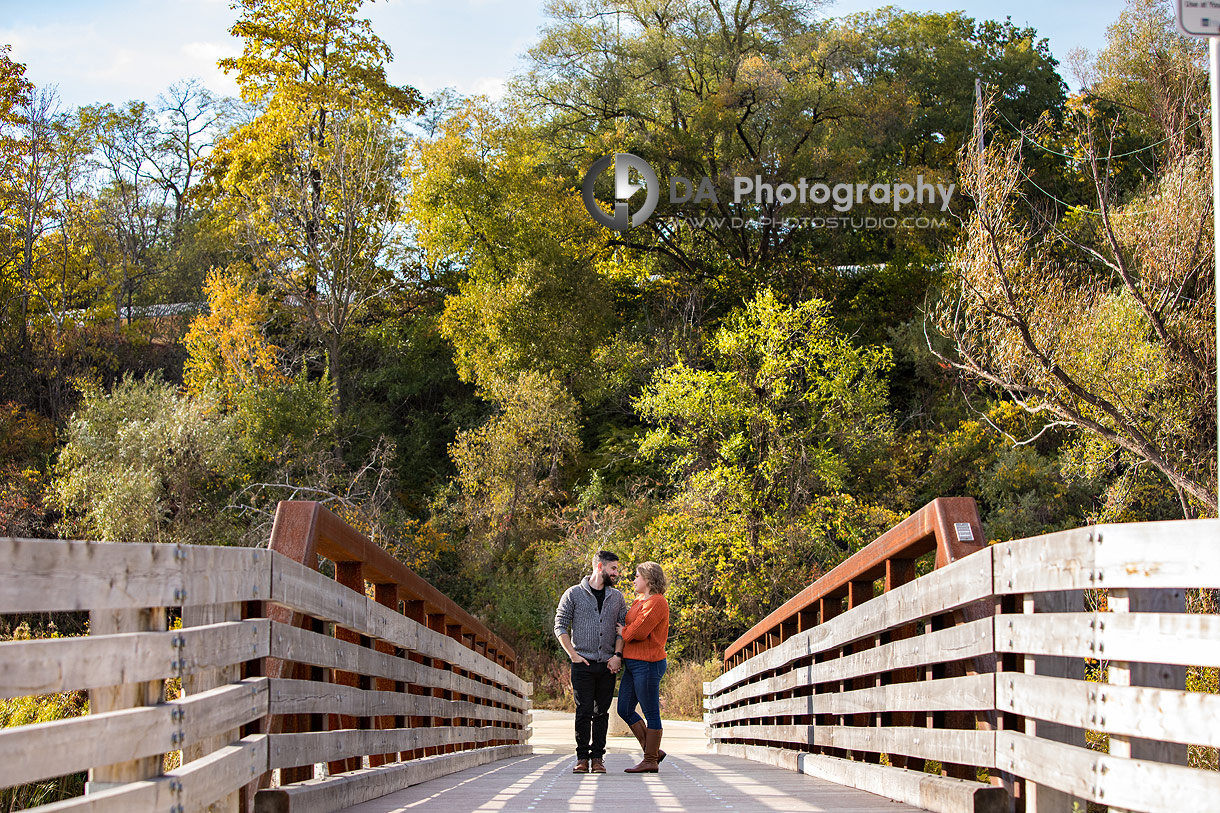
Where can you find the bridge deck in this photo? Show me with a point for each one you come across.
(690, 779)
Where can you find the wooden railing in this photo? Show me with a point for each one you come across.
(992, 662)
(280, 668)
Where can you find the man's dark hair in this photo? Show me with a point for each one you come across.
(605, 557)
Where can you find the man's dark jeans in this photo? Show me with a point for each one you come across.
(593, 688)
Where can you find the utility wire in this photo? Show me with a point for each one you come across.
(1045, 148)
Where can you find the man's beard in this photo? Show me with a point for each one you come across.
(608, 580)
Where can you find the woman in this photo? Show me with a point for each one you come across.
(644, 637)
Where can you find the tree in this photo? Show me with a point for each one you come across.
(1151, 75)
(144, 463)
(725, 90)
(535, 295)
(31, 182)
(228, 352)
(1103, 318)
(920, 70)
(787, 405)
(312, 185)
(510, 468)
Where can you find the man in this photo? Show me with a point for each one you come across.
(586, 624)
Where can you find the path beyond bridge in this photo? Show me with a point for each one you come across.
(689, 779)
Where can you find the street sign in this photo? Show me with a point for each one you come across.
(1199, 18)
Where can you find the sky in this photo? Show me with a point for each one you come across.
(116, 50)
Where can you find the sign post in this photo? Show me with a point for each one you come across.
(1201, 18)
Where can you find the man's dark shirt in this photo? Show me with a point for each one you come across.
(600, 595)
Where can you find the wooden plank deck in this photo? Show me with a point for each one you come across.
(690, 779)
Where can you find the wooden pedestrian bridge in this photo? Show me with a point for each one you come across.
(928, 671)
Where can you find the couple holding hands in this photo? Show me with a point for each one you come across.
(602, 637)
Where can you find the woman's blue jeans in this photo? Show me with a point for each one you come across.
(642, 684)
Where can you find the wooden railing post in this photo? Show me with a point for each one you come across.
(351, 576)
(204, 679)
(1041, 799)
(1161, 676)
(899, 571)
(126, 696)
(387, 596)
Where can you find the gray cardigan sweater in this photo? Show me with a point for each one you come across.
(593, 633)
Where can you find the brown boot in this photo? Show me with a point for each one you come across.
(638, 728)
(652, 745)
(581, 766)
(597, 766)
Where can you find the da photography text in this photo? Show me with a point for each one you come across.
(842, 197)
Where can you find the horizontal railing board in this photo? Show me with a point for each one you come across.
(940, 794)
(45, 666)
(304, 646)
(1178, 554)
(1136, 637)
(963, 582)
(292, 750)
(35, 752)
(969, 640)
(972, 692)
(221, 772)
(50, 575)
(1117, 781)
(1168, 715)
(194, 786)
(154, 794)
(311, 697)
(962, 746)
(306, 591)
(345, 790)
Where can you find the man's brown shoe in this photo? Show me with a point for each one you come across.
(581, 766)
(597, 767)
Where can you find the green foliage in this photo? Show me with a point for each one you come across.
(285, 424)
(487, 199)
(921, 67)
(757, 449)
(144, 463)
(788, 404)
(1022, 490)
(510, 468)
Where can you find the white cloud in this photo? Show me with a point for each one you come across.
(490, 86)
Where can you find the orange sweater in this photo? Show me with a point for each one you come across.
(647, 629)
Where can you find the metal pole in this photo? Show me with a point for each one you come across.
(1213, 47)
(978, 123)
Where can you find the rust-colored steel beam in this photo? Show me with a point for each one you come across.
(305, 530)
(948, 525)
